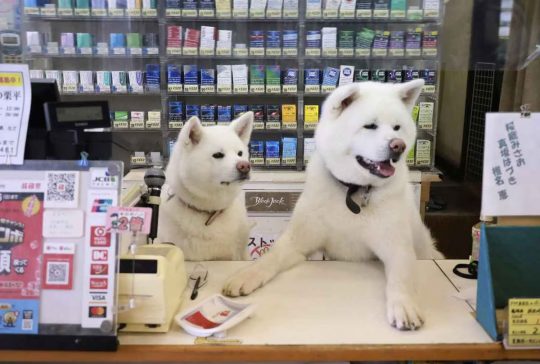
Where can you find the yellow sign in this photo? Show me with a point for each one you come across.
(311, 114)
(11, 79)
(524, 322)
(288, 113)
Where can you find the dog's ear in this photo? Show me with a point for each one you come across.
(409, 92)
(340, 99)
(243, 126)
(192, 132)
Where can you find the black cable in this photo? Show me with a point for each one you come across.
(472, 269)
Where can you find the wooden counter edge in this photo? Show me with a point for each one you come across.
(175, 353)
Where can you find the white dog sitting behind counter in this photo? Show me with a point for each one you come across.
(202, 208)
(357, 203)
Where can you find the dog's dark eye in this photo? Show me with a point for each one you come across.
(371, 126)
(240, 153)
(397, 127)
(218, 155)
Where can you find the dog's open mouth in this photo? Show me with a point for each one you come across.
(383, 169)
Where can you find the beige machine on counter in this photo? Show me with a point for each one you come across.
(155, 278)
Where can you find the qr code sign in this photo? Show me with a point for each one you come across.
(57, 273)
(62, 189)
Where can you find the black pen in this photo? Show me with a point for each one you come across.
(195, 291)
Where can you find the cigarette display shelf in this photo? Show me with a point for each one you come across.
(147, 139)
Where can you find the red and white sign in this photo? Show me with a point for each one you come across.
(99, 236)
(97, 269)
(99, 283)
(129, 219)
(100, 255)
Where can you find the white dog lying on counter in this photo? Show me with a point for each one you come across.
(357, 203)
(202, 208)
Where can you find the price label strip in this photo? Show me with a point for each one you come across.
(523, 323)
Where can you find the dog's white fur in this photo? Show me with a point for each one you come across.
(195, 178)
(388, 228)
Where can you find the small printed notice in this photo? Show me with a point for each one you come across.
(511, 165)
(524, 322)
(15, 99)
(129, 219)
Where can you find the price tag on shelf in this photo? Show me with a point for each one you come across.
(273, 52)
(273, 161)
(223, 51)
(153, 124)
(52, 50)
(31, 10)
(136, 124)
(240, 13)
(206, 51)
(65, 12)
(377, 52)
(135, 51)
(327, 88)
(397, 52)
(208, 123)
(102, 51)
(208, 89)
(85, 50)
(397, 14)
(82, 11)
(429, 52)
(314, 14)
(191, 88)
(273, 125)
(224, 14)
(256, 52)
(313, 89)
(206, 13)
(362, 52)
(273, 89)
(190, 51)
(258, 125)
(116, 12)
(256, 161)
(69, 88)
(329, 52)
(290, 161)
(224, 123)
(240, 52)
(415, 14)
(289, 125)
(346, 52)
(48, 11)
(149, 13)
(134, 12)
(224, 89)
(174, 51)
(381, 14)
(313, 52)
(189, 13)
(330, 14)
(524, 322)
(363, 13)
(240, 89)
(346, 14)
(290, 52)
(86, 88)
(256, 89)
(290, 13)
(138, 160)
(120, 124)
(413, 52)
(256, 13)
(151, 50)
(173, 12)
(290, 89)
(176, 124)
(273, 13)
(119, 50)
(310, 126)
(35, 49)
(68, 50)
(428, 89)
(99, 12)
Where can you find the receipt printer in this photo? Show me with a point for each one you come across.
(151, 286)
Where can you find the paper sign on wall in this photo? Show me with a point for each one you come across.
(15, 98)
(511, 165)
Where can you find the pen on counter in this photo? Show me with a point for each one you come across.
(195, 291)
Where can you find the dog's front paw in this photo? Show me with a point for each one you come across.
(404, 314)
(244, 282)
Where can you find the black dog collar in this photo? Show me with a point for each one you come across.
(351, 190)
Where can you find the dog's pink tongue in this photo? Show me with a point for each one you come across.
(386, 169)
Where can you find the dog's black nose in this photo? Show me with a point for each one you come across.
(397, 147)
